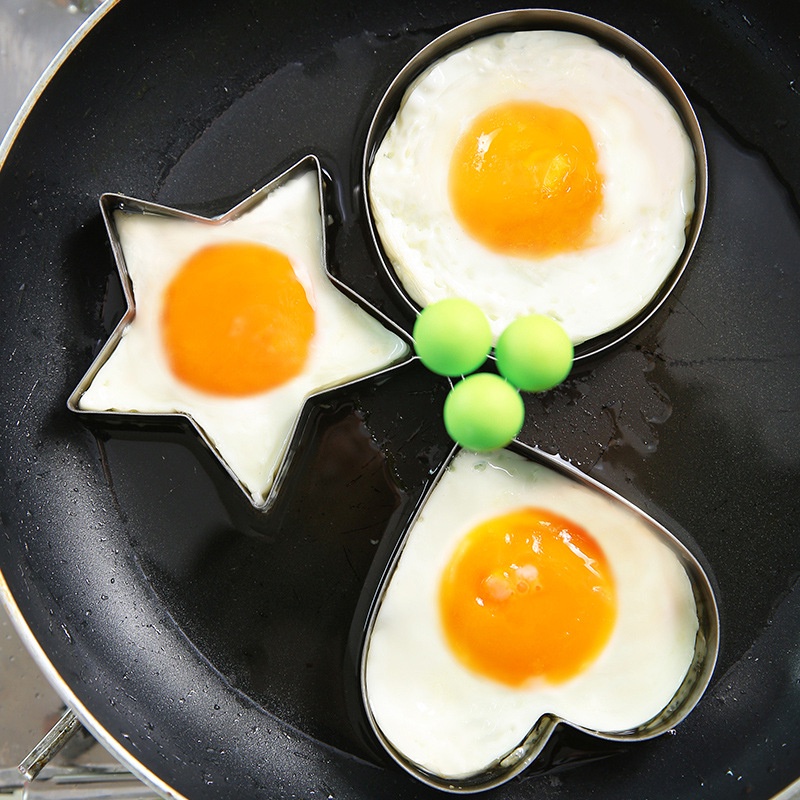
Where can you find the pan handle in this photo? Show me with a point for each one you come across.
(50, 745)
(69, 783)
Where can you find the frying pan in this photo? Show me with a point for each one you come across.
(205, 642)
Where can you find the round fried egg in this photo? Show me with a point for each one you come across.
(521, 593)
(534, 172)
(235, 325)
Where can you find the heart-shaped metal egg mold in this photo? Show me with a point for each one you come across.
(415, 265)
(461, 731)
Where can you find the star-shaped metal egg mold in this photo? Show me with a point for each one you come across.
(249, 433)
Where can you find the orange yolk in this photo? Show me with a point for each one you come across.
(524, 180)
(236, 321)
(527, 594)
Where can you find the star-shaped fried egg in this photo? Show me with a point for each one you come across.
(233, 322)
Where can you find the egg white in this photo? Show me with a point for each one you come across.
(454, 723)
(250, 434)
(644, 154)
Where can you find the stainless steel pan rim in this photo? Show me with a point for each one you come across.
(52, 68)
(48, 669)
(60, 686)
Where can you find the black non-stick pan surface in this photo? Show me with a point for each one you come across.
(206, 641)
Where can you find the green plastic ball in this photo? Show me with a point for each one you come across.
(534, 353)
(452, 337)
(483, 412)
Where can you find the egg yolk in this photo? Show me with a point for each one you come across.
(523, 180)
(528, 594)
(236, 321)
